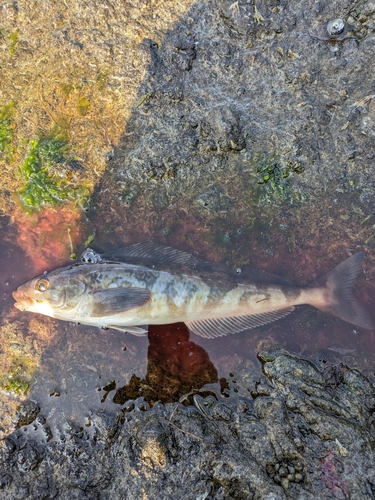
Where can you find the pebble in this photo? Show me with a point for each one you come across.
(298, 465)
(298, 443)
(285, 483)
(283, 472)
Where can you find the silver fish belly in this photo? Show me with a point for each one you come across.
(149, 284)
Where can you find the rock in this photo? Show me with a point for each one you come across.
(232, 450)
(27, 413)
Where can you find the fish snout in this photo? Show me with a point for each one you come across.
(22, 300)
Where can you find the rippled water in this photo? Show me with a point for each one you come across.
(83, 370)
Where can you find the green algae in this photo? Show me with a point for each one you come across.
(83, 106)
(89, 239)
(49, 175)
(102, 78)
(6, 130)
(14, 39)
(129, 194)
(273, 181)
(16, 385)
(18, 360)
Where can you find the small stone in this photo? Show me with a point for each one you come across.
(298, 443)
(290, 404)
(285, 483)
(277, 478)
(277, 467)
(291, 469)
(290, 477)
(298, 477)
(283, 471)
(298, 465)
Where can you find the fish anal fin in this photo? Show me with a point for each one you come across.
(219, 327)
(116, 300)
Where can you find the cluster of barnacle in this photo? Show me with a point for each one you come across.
(287, 472)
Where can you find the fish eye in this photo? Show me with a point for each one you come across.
(42, 284)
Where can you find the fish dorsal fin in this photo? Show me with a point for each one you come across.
(151, 253)
(116, 300)
(219, 327)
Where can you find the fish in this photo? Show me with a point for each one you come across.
(149, 284)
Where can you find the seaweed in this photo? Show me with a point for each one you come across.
(83, 106)
(18, 359)
(13, 38)
(274, 182)
(129, 194)
(47, 174)
(6, 129)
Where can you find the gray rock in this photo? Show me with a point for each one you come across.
(322, 448)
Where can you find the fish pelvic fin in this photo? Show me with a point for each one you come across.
(339, 287)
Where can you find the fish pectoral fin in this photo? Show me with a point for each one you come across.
(219, 327)
(134, 330)
(116, 300)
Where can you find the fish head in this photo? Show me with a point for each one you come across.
(53, 294)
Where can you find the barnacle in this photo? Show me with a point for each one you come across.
(335, 27)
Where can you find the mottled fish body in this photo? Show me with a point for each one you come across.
(147, 284)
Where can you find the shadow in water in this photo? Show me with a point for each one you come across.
(176, 366)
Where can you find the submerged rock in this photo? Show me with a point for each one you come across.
(305, 433)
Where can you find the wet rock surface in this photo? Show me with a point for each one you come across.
(246, 105)
(305, 433)
(233, 108)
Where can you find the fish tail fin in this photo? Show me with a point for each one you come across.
(339, 284)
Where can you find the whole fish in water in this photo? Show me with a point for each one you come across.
(146, 284)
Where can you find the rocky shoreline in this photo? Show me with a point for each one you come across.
(303, 433)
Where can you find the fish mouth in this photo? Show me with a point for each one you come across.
(22, 300)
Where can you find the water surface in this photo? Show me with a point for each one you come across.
(80, 371)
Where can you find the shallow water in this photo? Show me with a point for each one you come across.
(83, 370)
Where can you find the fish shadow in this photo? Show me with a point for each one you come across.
(176, 366)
